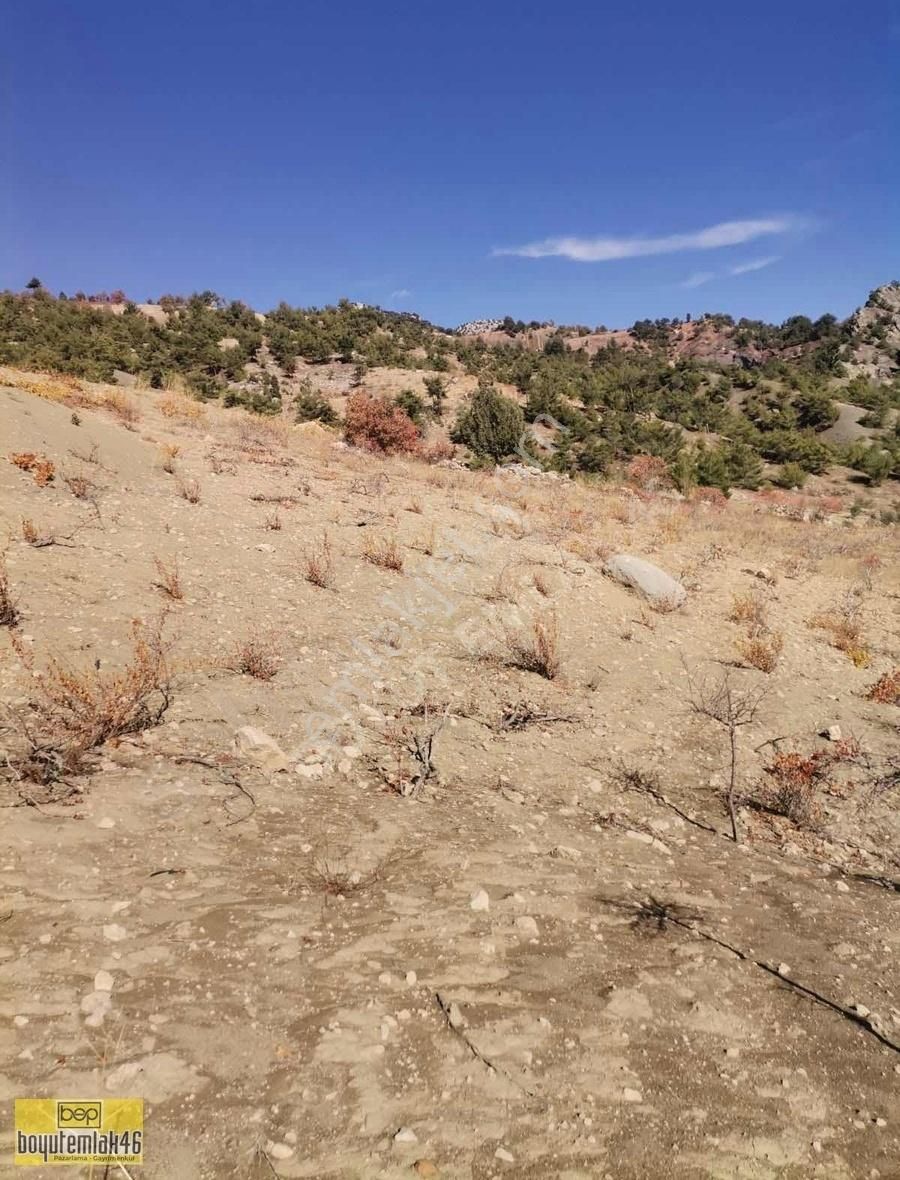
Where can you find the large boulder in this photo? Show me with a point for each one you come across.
(648, 579)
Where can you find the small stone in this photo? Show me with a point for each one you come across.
(106, 822)
(425, 1168)
(406, 1135)
(114, 932)
(842, 886)
(20, 1021)
(833, 733)
(632, 1095)
(103, 981)
(783, 969)
(528, 926)
(455, 1016)
(861, 1010)
(411, 978)
(480, 901)
(279, 1151)
(506, 1156)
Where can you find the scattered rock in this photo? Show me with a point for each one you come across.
(480, 900)
(262, 749)
(506, 1156)
(648, 579)
(103, 981)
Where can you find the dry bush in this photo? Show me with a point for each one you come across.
(761, 649)
(30, 533)
(795, 780)
(189, 489)
(318, 564)
(845, 628)
(120, 405)
(169, 579)
(503, 586)
(41, 467)
(73, 711)
(748, 608)
(649, 473)
(169, 452)
(272, 523)
(414, 505)
(535, 649)
(541, 583)
(384, 551)
(82, 487)
(376, 424)
(256, 656)
(886, 690)
(9, 612)
(176, 405)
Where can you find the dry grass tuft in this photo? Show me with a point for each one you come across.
(761, 649)
(886, 690)
(748, 608)
(74, 711)
(9, 612)
(385, 552)
(82, 487)
(30, 533)
(169, 579)
(256, 656)
(503, 587)
(535, 649)
(189, 489)
(318, 564)
(272, 523)
(845, 628)
(176, 405)
(795, 780)
(123, 407)
(541, 583)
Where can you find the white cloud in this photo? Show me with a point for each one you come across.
(698, 278)
(757, 264)
(400, 293)
(714, 237)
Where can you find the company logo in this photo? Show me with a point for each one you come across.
(79, 1131)
(72, 1115)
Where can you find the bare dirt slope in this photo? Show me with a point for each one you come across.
(522, 967)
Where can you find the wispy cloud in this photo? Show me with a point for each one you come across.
(698, 278)
(608, 249)
(757, 264)
(400, 293)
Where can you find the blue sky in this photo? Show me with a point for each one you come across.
(583, 162)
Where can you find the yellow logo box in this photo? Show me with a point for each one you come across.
(79, 1131)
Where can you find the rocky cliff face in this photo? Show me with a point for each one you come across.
(874, 348)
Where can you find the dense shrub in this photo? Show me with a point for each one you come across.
(490, 424)
(376, 424)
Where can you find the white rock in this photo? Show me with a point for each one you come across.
(106, 822)
(279, 1151)
(262, 749)
(406, 1135)
(506, 1156)
(648, 579)
(114, 932)
(411, 978)
(783, 969)
(528, 926)
(20, 1021)
(103, 981)
(632, 1095)
(480, 900)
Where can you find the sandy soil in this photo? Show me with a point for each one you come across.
(520, 969)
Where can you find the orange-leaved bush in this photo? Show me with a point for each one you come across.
(378, 425)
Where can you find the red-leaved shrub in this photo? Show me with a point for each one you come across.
(378, 425)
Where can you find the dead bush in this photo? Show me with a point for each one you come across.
(9, 612)
(384, 551)
(168, 579)
(42, 469)
(761, 649)
(256, 656)
(844, 625)
(30, 533)
(748, 608)
(535, 648)
(120, 405)
(541, 583)
(502, 587)
(74, 711)
(795, 779)
(318, 564)
(189, 489)
(170, 452)
(272, 523)
(175, 405)
(886, 690)
(82, 487)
